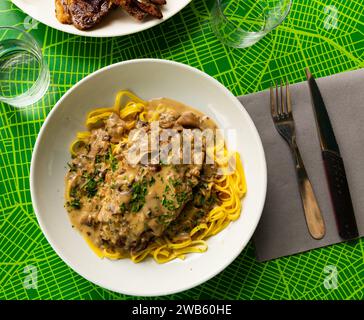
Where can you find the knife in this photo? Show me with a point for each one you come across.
(334, 166)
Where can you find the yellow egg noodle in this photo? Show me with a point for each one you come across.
(231, 187)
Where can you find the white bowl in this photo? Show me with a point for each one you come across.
(148, 78)
(116, 23)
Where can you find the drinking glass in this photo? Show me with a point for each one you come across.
(24, 75)
(241, 23)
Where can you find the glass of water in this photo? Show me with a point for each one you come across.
(241, 23)
(24, 75)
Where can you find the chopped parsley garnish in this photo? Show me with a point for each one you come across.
(92, 182)
(213, 199)
(139, 191)
(168, 204)
(181, 197)
(108, 157)
(74, 203)
(72, 167)
(99, 158)
(175, 182)
(73, 192)
(91, 187)
(122, 207)
(113, 161)
(199, 199)
(151, 181)
(163, 219)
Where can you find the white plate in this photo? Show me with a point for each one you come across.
(117, 23)
(148, 78)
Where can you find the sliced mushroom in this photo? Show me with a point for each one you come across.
(168, 118)
(99, 143)
(115, 127)
(189, 120)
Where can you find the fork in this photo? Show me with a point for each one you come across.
(281, 110)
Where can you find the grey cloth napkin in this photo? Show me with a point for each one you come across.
(282, 230)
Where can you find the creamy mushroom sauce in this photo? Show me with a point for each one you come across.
(122, 207)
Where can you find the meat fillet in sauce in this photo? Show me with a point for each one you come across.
(121, 206)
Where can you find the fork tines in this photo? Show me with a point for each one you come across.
(284, 108)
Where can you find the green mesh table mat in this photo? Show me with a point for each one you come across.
(326, 35)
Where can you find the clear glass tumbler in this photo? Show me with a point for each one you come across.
(241, 23)
(24, 75)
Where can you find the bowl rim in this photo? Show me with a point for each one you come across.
(260, 150)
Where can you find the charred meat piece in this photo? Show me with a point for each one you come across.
(83, 14)
(139, 9)
(132, 8)
(87, 13)
(159, 2)
(150, 8)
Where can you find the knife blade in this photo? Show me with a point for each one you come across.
(334, 165)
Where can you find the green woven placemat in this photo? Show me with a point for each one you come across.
(326, 35)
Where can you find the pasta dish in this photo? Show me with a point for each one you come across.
(151, 179)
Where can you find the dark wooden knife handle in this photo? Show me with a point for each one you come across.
(340, 195)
